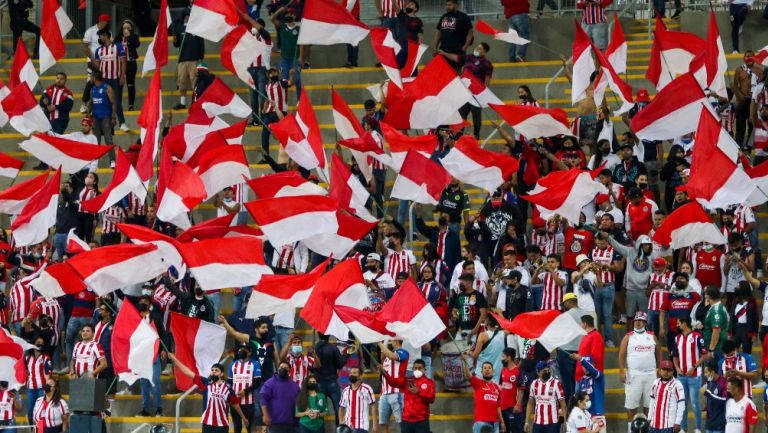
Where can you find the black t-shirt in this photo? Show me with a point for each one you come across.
(410, 27)
(263, 351)
(469, 305)
(453, 27)
(453, 203)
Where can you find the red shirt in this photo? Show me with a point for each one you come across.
(577, 241)
(640, 217)
(486, 400)
(415, 406)
(510, 379)
(591, 345)
(707, 267)
(515, 7)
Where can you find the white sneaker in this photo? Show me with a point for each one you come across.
(735, 52)
(124, 127)
(83, 108)
(124, 391)
(111, 164)
(609, 343)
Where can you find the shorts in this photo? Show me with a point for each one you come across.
(637, 390)
(214, 429)
(390, 405)
(186, 75)
(637, 300)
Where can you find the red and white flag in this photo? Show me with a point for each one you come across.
(431, 100)
(349, 127)
(222, 167)
(386, 49)
(420, 179)
(135, 344)
(75, 245)
(400, 144)
(57, 280)
(289, 219)
(199, 345)
(551, 328)
(364, 325)
(22, 69)
(284, 184)
(184, 191)
(415, 52)
(151, 122)
(157, 50)
(307, 121)
(368, 146)
(226, 262)
(70, 155)
(282, 293)
(24, 113)
(54, 26)
(483, 96)
(409, 316)
(38, 215)
(9, 166)
(106, 269)
(239, 49)
(212, 19)
(167, 246)
(471, 164)
(583, 65)
(534, 122)
(327, 22)
(671, 55)
(185, 139)
(761, 57)
(616, 52)
(4, 92)
(351, 230)
(347, 190)
(759, 176)
(15, 197)
(343, 285)
(610, 78)
(224, 221)
(299, 134)
(510, 36)
(674, 112)
(124, 181)
(220, 99)
(564, 193)
(12, 366)
(716, 179)
(710, 66)
(686, 226)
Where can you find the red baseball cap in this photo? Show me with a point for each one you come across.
(87, 120)
(104, 18)
(666, 365)
(659, 261)
(642, 96)
(601, 198)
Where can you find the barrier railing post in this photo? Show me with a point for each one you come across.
(177, 423)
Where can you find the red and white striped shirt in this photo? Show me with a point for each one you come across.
(357, 403)
(260, 62)
(739, 362)
(665, 397)
(394, 369)
(51, 308)
(135, 205)
(50, 412)
(553, 294)
(217, 405)
(109, 60)
(547, 242)
(388, 8)
(284, 258)
(57, 95)
(688, 350)
(547, 396)
(728, 118)
(277, 95)
(375, 163)
(659, 295)
(113, 216)
(21, 300)
(399, 261)
(86, 354)
(300, 366)
(605, 257)
(86, 194)
(38, 367)
(439, 266)
(593, 12)
(6, 406)
(242, 379)
(99, 329)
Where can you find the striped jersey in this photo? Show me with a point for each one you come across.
(546, 396)
(740, 362)
(547, 242)
(357, 403)
(593, 12)
(85, 355)
(728, 118)
(300, 366)
(277, 96)
(6, 405)
(660, 294)
(135, 205)
(262, 61)
(388, 8)
(243, 374)
(605, 257)
(51, 308)
(50, 412)
(217, 397)
(375, 163)
(109, 57)
(21, 300)
(399, 261)
(38, 367)
(688, 350)
(553, 294)
(113, 216)
(86, 194)
(665, 408)
(99, 329)
(57, 96)
(441, 269)
(394, 369)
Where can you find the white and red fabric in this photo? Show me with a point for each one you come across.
(24, 113)
(420, 179)
(157, 50)
(135, 344)
(307, 121)
(351, 230)
(761, 57)
(222, 167)
(151, 122)
(327, 22)
(471, 164)
(76, 245)
(12, 368)
(239, 49)
(22, 69)
(54, 26)
(368, 146)
(9, 166)
(534, 122)
(184, 191)
(212, 19)
(125, 180)
(220, 99)
(565, 193)
(282, 293)
(671, 55)
(284, 184)
(299, 134)
(610, 78)
(289, 219)
(483, 96)
(410, 316)
(431, 100)
(349, 127)
(551, 328)
(674, 112)
(15, 197)
(415, 52)
(716, 178)
(70, 155)
(583, 65)
(199, 345)
(226, 262)
(343, 285)
(109, 268)
(759, 176)
(38, 215)
(167, 246)
(347, 190)
(4, 92)
(57, 280)
(227, 220)
(400, 144)
(510, 36)
(616, 52)
(364, 325)
(686, 226)
(386, 49)
(710, 65)
(198, 131)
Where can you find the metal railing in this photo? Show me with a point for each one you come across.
(177, 422)
(18, 427)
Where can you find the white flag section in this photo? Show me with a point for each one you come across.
(551, 328)
(212, 19)
(411, 317)
(113, 267)
(135, 344)
(327, 22)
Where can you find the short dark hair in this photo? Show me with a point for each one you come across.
(98, 75)
(485, 46)
(487, 363)
(369, 104)
(219, 366)
(712, 291)
(735, 237)
(420, 362)
(509, 253)
(62, 73)
(533, 249)
(467, 263)
(416, 3)
(609, 215)
(735, 381)
(554, 256)
(686, 320)
(588, 320)
(509, 351)
(87, 325)
(605, 172)
(104, 31)
(729, 346)
(466, 277)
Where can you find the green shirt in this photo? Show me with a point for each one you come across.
(316, 402)
(288, 41)
(716, 317)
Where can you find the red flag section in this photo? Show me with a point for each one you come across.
(199, 344)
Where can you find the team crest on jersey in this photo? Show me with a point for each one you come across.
(472, 300)
(645, 208)
(424, 386)
(576, 246)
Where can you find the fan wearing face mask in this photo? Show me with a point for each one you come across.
(245, 378)
(418, 393)
(546, 404)
(580, 419)
(278, 400)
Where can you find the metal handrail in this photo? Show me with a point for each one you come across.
(18, 427)
(177, 422)
(551, 81)
(410, 223)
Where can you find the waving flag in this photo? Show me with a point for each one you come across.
(184, 191)
(199, 345)
(220, 99)
(212, 19)
(38, 215)
(4, 92)
(226, 262)
(761, 57)
(239, 49)
(299, 134)
(421, 179)
(409, 316)
(616, 52)
(470, 164)
(106, 269)
(386, 49)
(185, 139)
(57, 280)
(674, 112)
(282, 293)
(189, 235)
(222, 167)
(15, 197)
(151, 122)
(135, 345)
(619, 87)
(565, 193)
(75, 245)
(307, 121)
(12, 366)
(327, 22)
(70, 155)
(24, 113)
(400, 144)
(54, 26)
(347, 190)
(349, 127)
(583, 65)
(284, 184)
(710, 66)
(759, 176)
(167, 246)
(351, 230)
(534, 122)
(364, 325)
(510, 36)
(686, 226)
(368, 146)
(551, 328)
(483, 96)
(9, 166)
(671, 55)
(124, 181)
(22, 69)
(415, 52)
(289, 219)
(157, 50)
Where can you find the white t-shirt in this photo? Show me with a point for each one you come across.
(618, 215)
(384, 280)
(586, 300)
(738, 414)
(91, 38)
(579, 420)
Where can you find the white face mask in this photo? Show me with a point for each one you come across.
(418, 374)
(476, 53)
(588, 405)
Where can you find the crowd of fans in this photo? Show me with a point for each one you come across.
(691, 315)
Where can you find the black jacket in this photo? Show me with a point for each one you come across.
(66, 213)
(191, 47)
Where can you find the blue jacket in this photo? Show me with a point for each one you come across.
(452, 240)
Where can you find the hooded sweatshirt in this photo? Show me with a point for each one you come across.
(639, 268)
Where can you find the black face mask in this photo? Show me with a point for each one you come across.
(47, 388)
(728, 223)
(371, 268)
(289, 20)
(764, 117)
(213, 378)
(409, 10)
(642, 185)
(605, 151)
(312, 386)
(282, 373)
(143, 308)
(545, 376)
(243, 354)
(681, 285)
(273, 79)
(199, 292)
(522, 97)
(39, 348)
(353, 379)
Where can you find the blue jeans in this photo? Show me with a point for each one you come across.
(32, 396)
(259, 76)
(216, 301)
(604, 305)
(402, 211)
(521, 23)
(477, 426)
(330, 388)
(567, 373)
(285, 66)
(147, 388)
(546, 428)
(598, 33)
(538, 293)
(691, 385)
(73, 328)
(59, 245)
(653, 322)
(238, 301)
(427, 365)
(117, 92)
(281, 336)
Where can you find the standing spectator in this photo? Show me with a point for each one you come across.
(658, 292)
(468, 308)
(152, 312)
(409, 28)
(353, 6)
(110, 234)
(301, 363)
(708, 264)
(88, 358)
(454, 202)
(480, 67)
(716, 394)
(39, 369)
(715, 323)
(667, 401)
(516, 13)
(102, 334)
(488, 348)
(591, 346)
(639, 354)
(739, 257)
(679, 304)
(258, 69)
(51, 410)
(84, 135)
(245, 378)
(204, 79)
(419, 393)
(608, 262)
(331, 361)
(18, 11)
(10, 403)
(387, 11)
(745, 79)
(394, 363)
(291, 54)
(102, 110)
(510, 393)
(540, 7)
(454, 34)
(586, 281)
(737, 365)
(740, 411)
(639, 215)
(594, 22)
(57, 102)
(82, 307)
(486, 398)
(311, 407)
(66, 219)
(445, 237)
(554, 280)
(547, 400)
(638, 271)
(91, 43)
(397, 258)
(745, 318)
(357, 402)
(191, 52)
(86, 221)
(130, 46)
(110, 59)
(275, 105)
(739, 9)
(688, 355)
(278, 401)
